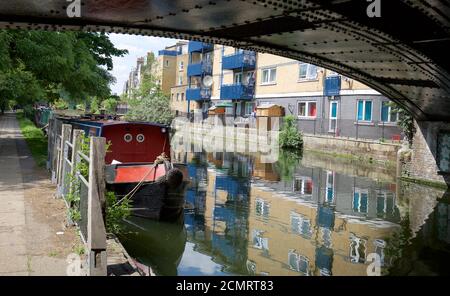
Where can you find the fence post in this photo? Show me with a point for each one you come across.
(96, 199)
(65, 136)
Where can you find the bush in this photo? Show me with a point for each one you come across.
(290, 136)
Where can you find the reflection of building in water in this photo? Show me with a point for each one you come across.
(291, 236)
(318, 223)
(220, 229)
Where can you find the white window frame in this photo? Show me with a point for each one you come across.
(364, 110)
(355, 256)
(386, 195)
(307, 103)
(308, 76)
(249, 110)
(178, 97)
(180, 80)
(259, 203)
(333, 118)
(298, 259)
(302, 221)
(303, 180)
(262, 243)
(269, 71)
(330, 185)
(236, 75)
(181, 66)
(389, 114)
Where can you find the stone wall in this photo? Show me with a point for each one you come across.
(360, 148)
(423, 163)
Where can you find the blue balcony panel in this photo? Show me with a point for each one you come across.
(237, 92)
(198, 94)
(168, 52)
(332, 86)
(196, 46)
(199, 69)
(242, 60)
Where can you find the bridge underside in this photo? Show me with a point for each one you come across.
(403, 54)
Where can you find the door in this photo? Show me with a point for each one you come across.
(333, 117)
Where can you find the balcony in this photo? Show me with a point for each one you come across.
(332, 86)
(237, 92)
(168, 52)
(195, 46)
(199, 69)
(242, 60)
(198, 94)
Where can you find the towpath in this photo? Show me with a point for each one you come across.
(33, 236)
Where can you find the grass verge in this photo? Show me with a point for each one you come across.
(36, 140)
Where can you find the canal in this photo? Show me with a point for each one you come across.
(307, 214)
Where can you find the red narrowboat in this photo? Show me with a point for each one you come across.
(138, 166)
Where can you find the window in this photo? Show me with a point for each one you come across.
(181, 67)
(307, 72)
(238, 109)
(298, 262)
(238, 78)
(360, 200)
(329, 194)
(387, 114)
(380, 245)
(443, 151)
(251, 267)
(173, 96)
(262, 207)
(385, 203)
(182, 97)
(364, 112)
(357, 249)
(260, 242)
(180, 80)
(301, 225)
(178, 97)
(333, 116)
(326, 236)
(249, 108)
(167, 63)
(269, 76)
(303, 185)
(307, 109)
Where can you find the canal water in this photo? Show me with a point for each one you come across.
(307, 214)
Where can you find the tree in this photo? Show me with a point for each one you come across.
(405, 122)
(149, 103)
(54, 65)
(290, 137)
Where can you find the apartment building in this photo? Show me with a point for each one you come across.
(323, 101)
(134, 78)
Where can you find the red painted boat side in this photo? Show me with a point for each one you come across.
(134, 174)
(135, 142)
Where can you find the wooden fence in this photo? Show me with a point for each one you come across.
(79, 177)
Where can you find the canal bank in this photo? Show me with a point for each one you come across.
(33, 237)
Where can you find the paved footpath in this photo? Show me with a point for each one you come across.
(33, 236)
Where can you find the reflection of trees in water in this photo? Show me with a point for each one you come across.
(288, 161)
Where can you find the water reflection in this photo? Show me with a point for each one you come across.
(299, 216)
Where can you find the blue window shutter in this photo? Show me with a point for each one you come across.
(384, 112)
(360, 110)
(333, 109)
(355, 201)
(368, 111)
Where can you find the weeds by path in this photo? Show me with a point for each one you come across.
(36, 140)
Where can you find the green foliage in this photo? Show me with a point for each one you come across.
(405, 122)
(41, 65)
(149, 103)
(110, 105)
(290, 136)
(36, 141)
(288, 160)
(115, 212)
